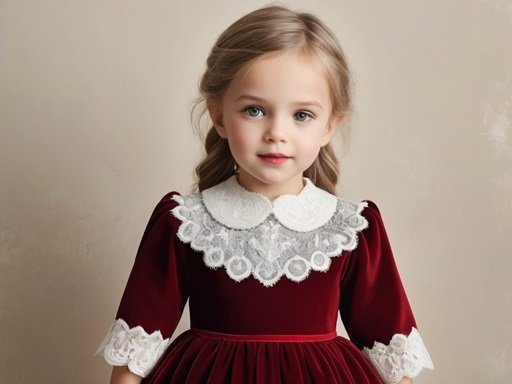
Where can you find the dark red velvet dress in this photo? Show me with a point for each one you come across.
(246, 332)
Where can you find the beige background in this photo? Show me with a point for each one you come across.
(94, 103)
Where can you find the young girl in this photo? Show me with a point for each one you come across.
(265, 252)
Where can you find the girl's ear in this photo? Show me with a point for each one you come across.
(331, 127)
(215, 111)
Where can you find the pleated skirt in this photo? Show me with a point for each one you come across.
(198, 356)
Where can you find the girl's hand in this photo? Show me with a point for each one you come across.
(121, 375)
(406, 380)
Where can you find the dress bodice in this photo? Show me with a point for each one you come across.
(220, 304)
(249, 266)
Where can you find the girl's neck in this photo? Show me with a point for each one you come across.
(271, 190)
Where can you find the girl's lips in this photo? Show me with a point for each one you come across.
(273, 158)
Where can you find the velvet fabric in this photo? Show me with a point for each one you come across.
(364, 285)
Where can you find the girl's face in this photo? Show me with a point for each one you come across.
(276, 115)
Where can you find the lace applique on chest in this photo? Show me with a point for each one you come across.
(247, 234)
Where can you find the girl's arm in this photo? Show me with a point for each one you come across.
(121, 375)
(375, 309)
(153, 299)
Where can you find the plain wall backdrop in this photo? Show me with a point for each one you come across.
(94, 130)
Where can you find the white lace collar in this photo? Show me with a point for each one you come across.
(235, 207)
(249, 235)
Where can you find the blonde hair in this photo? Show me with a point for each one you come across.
(266, 30)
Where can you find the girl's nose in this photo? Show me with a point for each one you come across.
(276, 131)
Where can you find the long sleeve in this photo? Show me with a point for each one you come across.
(154, 297)
(374, 306)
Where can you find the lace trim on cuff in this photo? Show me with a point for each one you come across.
(132, 347)
(404, 356)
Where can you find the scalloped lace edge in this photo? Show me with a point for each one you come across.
(215, 240)
(132, 347)
(404, 356)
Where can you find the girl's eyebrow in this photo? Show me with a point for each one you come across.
(250, 97)
(309, 103)
(296, 103)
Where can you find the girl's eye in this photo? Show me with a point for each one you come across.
(253, 111)
(303, 116)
